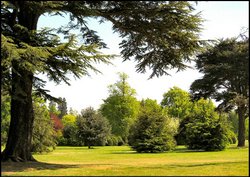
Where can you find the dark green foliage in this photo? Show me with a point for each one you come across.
(205, 131)
(93, 128)
(152, 131)
(201, 136)
(62, 107)
(180, 137)
(70, 136)
(226, 78)
(158, 34)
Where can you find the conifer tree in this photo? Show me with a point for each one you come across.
(62, 107)
(225, 66)
(159, 35)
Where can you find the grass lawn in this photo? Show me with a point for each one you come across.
(120, 160)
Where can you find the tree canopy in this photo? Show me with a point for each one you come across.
(121, 107)
(226, 77)
(177, 102)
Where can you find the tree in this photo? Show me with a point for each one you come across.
(159, 35)
(5, 118)
(121, 107)
(226, 78)
(69, 119)
(152, 131)
(69, 131)
(227, 125)
(52, 108)
(204, 129)
(43, 132)
(73, 112)
(233, 118)
(69, 136)
(93, 128)
(57, 122)
(62, 107)
(177, 104)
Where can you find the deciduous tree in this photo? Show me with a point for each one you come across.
(178, 104)
(121, 107)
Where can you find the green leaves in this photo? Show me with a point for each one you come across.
(121, 107)
(177, 103)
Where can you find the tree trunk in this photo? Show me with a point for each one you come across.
(18, 147)
(241, 134)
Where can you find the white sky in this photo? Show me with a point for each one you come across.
(223, 19)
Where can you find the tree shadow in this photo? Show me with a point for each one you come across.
(23, 166)
(177, 150)
(124, 152)
(194, 165)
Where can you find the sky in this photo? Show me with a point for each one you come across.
(223, 19)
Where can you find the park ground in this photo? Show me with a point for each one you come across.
(122, 161)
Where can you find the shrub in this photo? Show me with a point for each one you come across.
(93, 128)
(70, 136)
(151, 132)
(205, 130)
(112, 141)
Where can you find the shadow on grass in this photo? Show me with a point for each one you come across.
(77, 148)
(181, 149)
(207, 164)
(24, 166)
(195, 165)
(125, 152)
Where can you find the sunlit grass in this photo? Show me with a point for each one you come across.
(121, 160)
